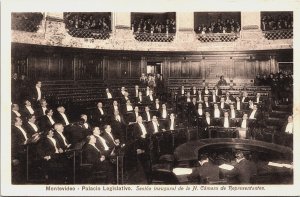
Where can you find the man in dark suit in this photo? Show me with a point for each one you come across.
(41, 109)
(118, 125)
(27, 110)
(154, 126)
(31, 127)
(172, 123)
(234, 113)
(108, 95)
(92, 155)
(60, 138)
(193, 105)
(287, 132)
(206, 104)
(61, 117)
(114, 107)
(226, 121)
(37, 93)
(217, 113)
(140, 130)
(15, 111)
(194, 91)
(238, 105)
(147, 116)
(245, 98)
(223, 104)
(19, 138)
(99, 115)
(217, 91)
(46, 122)
(254, 114)
(207, 120)
(243, 169)
(140, 99)
(214, 98)
(78, 132)
(150, 98)
(101, 142)
(205, 172)
(110, 139)
(228, 98)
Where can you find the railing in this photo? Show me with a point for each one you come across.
(279, 34)
(218, 37)
(88, 33)
(154, 37)
(29, 22)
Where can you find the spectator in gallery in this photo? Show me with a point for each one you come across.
(222, 81)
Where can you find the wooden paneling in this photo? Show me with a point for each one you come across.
(175, 69)
(195, 69)
(67, 69)
(185, 69)
(135, 70)
(114, 70)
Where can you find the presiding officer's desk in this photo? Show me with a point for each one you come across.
(273, 162)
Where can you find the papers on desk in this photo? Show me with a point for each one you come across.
(182, 171)
(226, 167)
(280, 165)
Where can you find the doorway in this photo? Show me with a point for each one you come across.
(154, 68)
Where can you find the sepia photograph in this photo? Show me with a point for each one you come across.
(149, 101)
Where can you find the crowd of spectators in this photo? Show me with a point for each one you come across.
(152, 25)
(26, 21)
(281, 84)
(269, 22)
(88, 21)
(219, 26)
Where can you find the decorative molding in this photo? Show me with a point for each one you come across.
(56, 19)
(122, 27)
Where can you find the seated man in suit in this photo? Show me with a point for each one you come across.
(92, 155)
(245, 98)
(172, 123)
(207, 121)
(223, 104)
(41, 110)
(249, 105)
(60, 138)
(47, 121)
(226, 122)
(128, 107)
(27, 110)
(136, 91)
(206, 104)
(85, 124)
(258, 98)
(78, 132)
(228, 98)
(188, 98)
(154, 126)
(118, 125)
(54, 160)
(61, 117)
(136, 113)
(99, 115)
(101, 142)
(205, 91)
(19, 138)
(150, 98)
(125, 98)
(217, 91)
(140, 130)
(194, 91)
(244, 124)
(193, 105)
(234, 113)
(217, 113)
(147, 91)
(114, 107)
(122, 92)
(222, 81)
(243, 169)
(287, 131)
(163, 113)
(147, 116)
(238, 104)
(31, 127)
(214, 98)
(254, 114)
(15, 111)
(108, 95)
(182, 91)
(140, 99)
(205, 172)
(200, 111)
(199, 96)
(156, 106)
(110, 139)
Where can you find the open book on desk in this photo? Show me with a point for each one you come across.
(280, 165)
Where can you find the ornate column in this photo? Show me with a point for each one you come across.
(250, 25)
(121, 25)
(185, 27)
